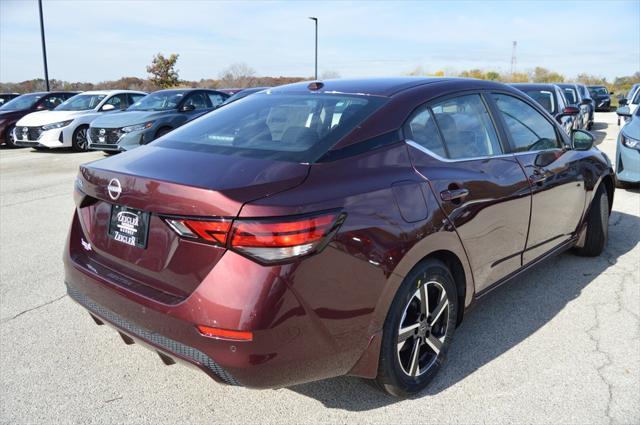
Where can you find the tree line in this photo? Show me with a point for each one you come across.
(163, 74)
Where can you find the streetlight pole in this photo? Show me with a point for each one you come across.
(44, 47)
(316, 21)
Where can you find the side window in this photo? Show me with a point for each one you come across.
(421, 128)
(134, 97)
(215, 98)
(119, 101)
(530, 131)
(466, 127)
(198, 100)
(52, 101)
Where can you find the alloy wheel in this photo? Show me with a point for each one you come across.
(423, 328)
(81, 139)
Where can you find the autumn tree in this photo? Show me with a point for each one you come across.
(543, 75)
(163, 72)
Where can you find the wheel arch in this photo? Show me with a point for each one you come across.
(451, 253)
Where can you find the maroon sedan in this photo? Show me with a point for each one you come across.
(325, 229)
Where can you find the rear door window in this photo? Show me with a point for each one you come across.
(215, 98)
(530, 131)
(198, 100)
(421, 128)
(466, 127)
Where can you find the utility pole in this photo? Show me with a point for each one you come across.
(316, 21)
(513, 57)
(44, 47)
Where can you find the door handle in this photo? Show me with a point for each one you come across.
(537, 178)
(453, 194)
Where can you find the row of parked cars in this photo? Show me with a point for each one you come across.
(120, 120)
(87, 120)
(109, 120)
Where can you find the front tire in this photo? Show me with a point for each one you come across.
(9, 137)
(597, 225)
(418, 329)
(79, 140)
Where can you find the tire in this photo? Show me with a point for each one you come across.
(79, 141)
(9, 137)
(597, 226)
(399, 372)
(590, 126)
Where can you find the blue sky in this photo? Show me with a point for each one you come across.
(100, 40)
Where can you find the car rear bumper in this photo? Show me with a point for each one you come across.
(292, 340)
(153, 340)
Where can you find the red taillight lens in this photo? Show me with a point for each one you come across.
(225, 333)
(266, 240)
(210, 230)
(279, 239)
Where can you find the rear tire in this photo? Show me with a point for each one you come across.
(416, 336)
(79, 141)
(597, 226)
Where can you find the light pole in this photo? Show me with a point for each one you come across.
(316, 21)
(44, 47)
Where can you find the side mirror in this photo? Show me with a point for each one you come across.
(187, 108)
(586, 101)
(582, 140)
(623, 102)
(623, 111)
(108, 107)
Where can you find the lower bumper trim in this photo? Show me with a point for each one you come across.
(168, 344)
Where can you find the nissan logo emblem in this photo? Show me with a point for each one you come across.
(102, 132)
(114, 189)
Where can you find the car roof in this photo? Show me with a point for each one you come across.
(111, 91)
(386, 87)
(525, 86)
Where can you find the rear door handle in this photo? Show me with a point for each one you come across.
(453, 194)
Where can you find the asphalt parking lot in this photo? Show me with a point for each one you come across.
(561, 345)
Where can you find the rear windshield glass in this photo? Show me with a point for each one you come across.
(571, 96)
(545, 98)
(81, 102)
(284, 127)
(159, 101)
(598, 90)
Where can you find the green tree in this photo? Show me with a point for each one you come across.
(492, 75)
(163, 72)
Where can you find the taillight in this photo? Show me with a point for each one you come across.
(214, 231)
(279, 239)
(268, 240)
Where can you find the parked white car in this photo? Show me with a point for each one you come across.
(67, 124)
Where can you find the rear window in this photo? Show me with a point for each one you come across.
(284, 127)
(545, 98)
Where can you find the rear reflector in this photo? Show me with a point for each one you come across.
(268, 240)
(225, 333)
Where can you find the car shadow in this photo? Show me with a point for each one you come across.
(521, 307)
(599, 132)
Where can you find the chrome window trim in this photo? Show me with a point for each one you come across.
(476, 158)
